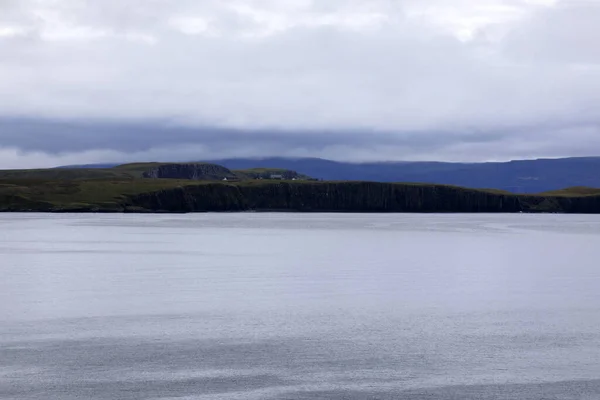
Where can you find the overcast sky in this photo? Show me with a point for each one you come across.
(139, 80)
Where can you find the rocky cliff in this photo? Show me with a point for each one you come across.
(186, 195)
(195, 172)
(352, 197)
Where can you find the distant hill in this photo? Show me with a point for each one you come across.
(88, 166)
(195, 171)
(521, 176)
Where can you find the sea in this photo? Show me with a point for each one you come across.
(299, 306)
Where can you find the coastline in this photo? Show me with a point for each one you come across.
(162, 196)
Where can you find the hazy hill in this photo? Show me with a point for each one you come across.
(521, 176)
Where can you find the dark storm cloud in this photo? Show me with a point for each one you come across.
(56, 137)
(159, 140)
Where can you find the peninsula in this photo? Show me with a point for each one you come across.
(206, 187)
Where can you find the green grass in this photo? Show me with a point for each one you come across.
(576, 191)
(109, 193)
(63, 174)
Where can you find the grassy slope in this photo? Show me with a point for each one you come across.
(577, 191)
(63, 174)
(125, 171)
(80, 188)
(105, 193)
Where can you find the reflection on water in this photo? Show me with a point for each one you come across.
(299, 306)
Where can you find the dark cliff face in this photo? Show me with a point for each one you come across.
(581, 205)
(371, 197)
(206, 197)
(282, 196)
(354, 197)
(335, 197)
(189, 171)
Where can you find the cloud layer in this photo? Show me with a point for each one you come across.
(352, 79)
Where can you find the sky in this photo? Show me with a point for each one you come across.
(86, 81)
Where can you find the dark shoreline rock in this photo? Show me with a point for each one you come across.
(333, 197)
(356, 197)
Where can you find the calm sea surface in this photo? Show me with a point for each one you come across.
(299, 306)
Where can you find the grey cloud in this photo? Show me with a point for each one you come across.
(55, 137)
(566, 34)
(306, 78)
